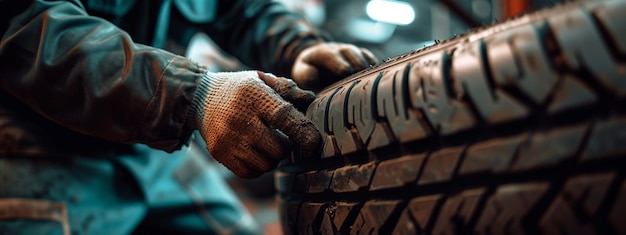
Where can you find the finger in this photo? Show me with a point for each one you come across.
(272, 144)
(354, 56)
(251, 165)
(268, 78)
(293, 123)
(306, 75)
(330, 61)
(253, 162)
(235, 158)
(240, 168)
(237, 153)
(287, 89)
(369, 56)
(260, 163)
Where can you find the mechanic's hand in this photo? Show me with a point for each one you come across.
(322, 64)
(248, 126)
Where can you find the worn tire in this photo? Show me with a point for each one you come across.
(516, 128)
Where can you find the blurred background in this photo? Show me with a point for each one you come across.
(387, 27)
(393, 27)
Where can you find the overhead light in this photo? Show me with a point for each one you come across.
(390, 11)
(369, 31)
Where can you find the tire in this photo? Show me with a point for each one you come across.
(515, 128)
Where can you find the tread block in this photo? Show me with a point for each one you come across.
(457, 212)
(550, 148)
(373, 216)
(362, 112)
(289, 215)
(319, 181)
(352, 178)
(430, 93)
(338, 216)
(309, 218)
(302, 182)
(507, 207)
(583, 48)
(618, 213)
(440, 165)
(317, 113)
(471, 80)
(393, 106)
(607, 140)
(573, 210)
(330, 147)
(380, 137)
(518, 59)
(561, 219)
(405, 225)
(587, 191)
(610, 15)
(337, 120)
(571, 94)
(492, 156)
(417, 215)
(397, 172)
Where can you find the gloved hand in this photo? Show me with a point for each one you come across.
(322, 64)
(246, 123)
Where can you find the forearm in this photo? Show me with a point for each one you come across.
(87, 75)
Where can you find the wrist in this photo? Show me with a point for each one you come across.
(209, 82)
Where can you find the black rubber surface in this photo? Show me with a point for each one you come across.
(516, 128)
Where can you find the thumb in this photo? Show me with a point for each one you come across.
(305, 75)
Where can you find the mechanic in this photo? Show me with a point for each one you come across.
(95, 124)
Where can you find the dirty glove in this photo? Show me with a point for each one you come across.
(247, 125)
(322, 64)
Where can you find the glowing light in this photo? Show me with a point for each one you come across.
(369, 30)
(390, 11)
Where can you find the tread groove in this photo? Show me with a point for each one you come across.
(486, 67)
(480, 206)
(606, 37)
(434, 215)
(327, 112)
(474, 109)
(448, 80)
(609, 201)
(351, 128)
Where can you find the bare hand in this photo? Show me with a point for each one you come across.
(325, 63)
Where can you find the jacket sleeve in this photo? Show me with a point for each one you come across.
(262, 34)
(85, 74)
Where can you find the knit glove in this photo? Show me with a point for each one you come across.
(322, 64)
(246, 123)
